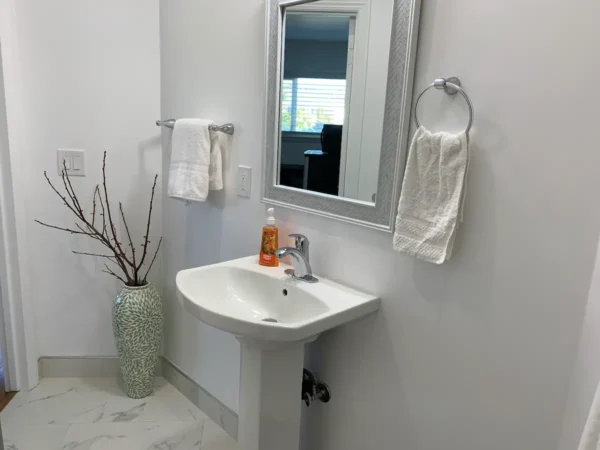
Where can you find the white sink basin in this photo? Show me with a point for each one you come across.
(237, 296)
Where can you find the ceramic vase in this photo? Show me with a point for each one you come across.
(137, 326)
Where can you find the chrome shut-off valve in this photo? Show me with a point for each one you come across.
(313, 389)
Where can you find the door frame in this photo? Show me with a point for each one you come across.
(19, 346)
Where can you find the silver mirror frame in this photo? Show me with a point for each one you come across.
(395, 127)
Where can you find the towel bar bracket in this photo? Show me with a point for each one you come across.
(445, 84)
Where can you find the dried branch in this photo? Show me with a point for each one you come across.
(94, 235)
(68, 230)
(94, 207)
(62, 197)
(130, 240)
(110, 272)
(70, 191)
(147, 236)
(107, 234)
(104, 231)
(111, 224)
(93, 232)
(152, 262)
(95, 254)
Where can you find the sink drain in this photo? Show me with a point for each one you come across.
(268, 319)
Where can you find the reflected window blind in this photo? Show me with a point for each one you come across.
(309, 103)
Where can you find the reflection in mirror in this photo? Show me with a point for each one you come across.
(334, 71)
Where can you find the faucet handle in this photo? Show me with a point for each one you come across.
(301, 243)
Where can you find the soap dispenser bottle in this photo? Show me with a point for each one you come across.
(269, 242)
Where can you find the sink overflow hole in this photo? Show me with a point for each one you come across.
(270, 320)
(285, 292)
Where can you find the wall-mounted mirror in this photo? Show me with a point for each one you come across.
(338, 93)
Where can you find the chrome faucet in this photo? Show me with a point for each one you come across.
(300, 258)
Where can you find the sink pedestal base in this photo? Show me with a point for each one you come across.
(270, 388)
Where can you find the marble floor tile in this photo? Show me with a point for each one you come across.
(69, 401)
(178, 404)
(95, 414)
(45, 437)
(88, 407)
(134, 436)
(214, 438)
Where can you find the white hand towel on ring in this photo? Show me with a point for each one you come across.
(432, 195)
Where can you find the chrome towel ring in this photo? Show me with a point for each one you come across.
(450, 86)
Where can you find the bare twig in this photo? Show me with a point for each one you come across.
(110, 272)
(104, 231)
(111, 224)
(62, 197)
(94, 207)
(89, 232)
(95, 254)
(135, 269)
(147, 236)
(152, 262)
(93, 236)
(69, 189)
(68, 230)
(93, 231)
(107, 234)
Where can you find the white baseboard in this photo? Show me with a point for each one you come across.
(61, 367)
(209, 405)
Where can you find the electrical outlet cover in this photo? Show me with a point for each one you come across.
(244, 181)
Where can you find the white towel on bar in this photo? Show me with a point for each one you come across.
(432, 195)
(590, 439)
(196, 161)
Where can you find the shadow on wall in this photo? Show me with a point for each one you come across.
(397, 386)
(478, 260)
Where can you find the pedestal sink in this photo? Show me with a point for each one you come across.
(273, 317)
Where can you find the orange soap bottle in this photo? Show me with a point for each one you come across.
(269, 242)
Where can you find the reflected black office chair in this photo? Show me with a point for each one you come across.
(322, 167)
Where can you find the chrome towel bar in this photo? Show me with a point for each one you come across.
(228, 128)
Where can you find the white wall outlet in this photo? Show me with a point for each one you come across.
(244, 181)
(74, 160)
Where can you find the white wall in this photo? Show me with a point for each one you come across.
(21, 342)
(89, 79)
(473, 354)
(214, 231)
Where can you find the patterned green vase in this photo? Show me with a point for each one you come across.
(137, 325)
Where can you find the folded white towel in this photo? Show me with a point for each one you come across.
(196, 165)
(590, 439)
(215, 171)
(432, 195)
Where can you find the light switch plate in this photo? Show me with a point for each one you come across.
(74, 160)
(244, 182)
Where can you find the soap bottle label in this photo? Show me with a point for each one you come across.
(268, 248)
